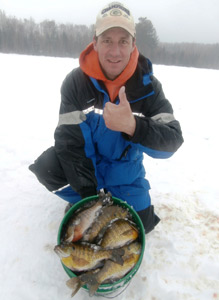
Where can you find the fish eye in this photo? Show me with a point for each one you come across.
(73, 247)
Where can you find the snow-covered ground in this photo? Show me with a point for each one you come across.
(181, 259)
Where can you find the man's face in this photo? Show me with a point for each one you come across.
(114, 48)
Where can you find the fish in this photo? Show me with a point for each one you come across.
(134, 247)
(84, 257)
(110, 271)
(83, 220)
(75, 283)
(107, 215)
(118, 234)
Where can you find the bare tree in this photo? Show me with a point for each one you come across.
(68, 40)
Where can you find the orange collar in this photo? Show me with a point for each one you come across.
(89, 64)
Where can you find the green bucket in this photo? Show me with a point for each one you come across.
(121, 284)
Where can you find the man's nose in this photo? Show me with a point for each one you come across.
(115, 50)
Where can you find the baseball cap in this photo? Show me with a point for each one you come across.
(115, 14)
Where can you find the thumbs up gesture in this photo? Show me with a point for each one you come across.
(119, 117)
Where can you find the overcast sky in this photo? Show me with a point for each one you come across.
(174, 20)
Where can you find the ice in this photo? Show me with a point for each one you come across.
(181, 259)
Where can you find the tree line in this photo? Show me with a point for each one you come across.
(68, 40)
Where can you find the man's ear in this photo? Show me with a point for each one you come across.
(95, 43)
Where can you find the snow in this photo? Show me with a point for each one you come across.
(181, 259)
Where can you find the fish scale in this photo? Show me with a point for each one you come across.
(80, 257)
(120, 233)
(83, 220)
(112, 271)
(107, 215)
(109, 272)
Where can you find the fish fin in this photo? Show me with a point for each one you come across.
(77, 235)
(91, 283)
(127, 232)
(117, 256)
(68, 262)
(133, 232)
(57, 250)
(75, 284)
(132, 224)
(81, 262)
(70, 238)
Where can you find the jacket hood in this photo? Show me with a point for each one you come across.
(89, 64)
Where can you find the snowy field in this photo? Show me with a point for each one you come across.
(181, 259)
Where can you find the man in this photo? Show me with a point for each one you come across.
(112, 111)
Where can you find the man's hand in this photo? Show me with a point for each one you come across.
(119, 117)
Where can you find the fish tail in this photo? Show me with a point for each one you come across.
(93, 288)
(91, 283)
(75, 284)
(116, 256)
(106, 199)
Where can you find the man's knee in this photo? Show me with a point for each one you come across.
(48, 170)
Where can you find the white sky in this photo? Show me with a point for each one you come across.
(174, 20)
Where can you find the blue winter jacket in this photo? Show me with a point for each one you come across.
(93, 156)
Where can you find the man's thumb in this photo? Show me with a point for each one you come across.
(122, 95)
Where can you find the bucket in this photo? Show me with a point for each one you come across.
(118, 286)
